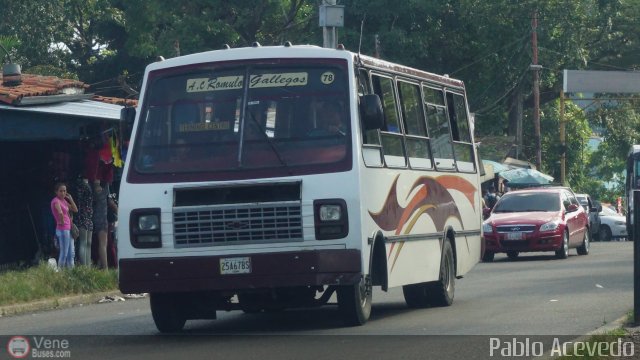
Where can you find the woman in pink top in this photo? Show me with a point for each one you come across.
(60, 206)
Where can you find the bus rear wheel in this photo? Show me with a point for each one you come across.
(167, 312)
(441, 292)
(438, 293)
(354, 302)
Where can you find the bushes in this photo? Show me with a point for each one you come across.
(41, 282)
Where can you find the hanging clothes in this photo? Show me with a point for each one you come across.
(115, 150)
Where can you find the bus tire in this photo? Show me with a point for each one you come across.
(416, 295)
(441, 292)
(354, 302)
(166, 312)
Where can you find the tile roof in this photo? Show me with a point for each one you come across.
(38, 85)
(35, 89)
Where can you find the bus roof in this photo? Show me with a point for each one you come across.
(298, 51)
(634, 149)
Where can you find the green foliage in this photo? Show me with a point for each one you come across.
(485, 43)
(43, 282)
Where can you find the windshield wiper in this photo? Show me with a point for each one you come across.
(243, 115)
(264, 135)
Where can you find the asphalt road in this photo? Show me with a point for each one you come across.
(536, 295)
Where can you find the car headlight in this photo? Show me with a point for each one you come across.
(487, 228)
(550, 226)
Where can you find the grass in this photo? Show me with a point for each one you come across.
(42, 282)
(604, 346)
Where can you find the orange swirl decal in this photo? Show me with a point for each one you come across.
(431, 197)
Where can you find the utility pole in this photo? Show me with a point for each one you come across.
(536, 88)
(331, 17)
(563, 145)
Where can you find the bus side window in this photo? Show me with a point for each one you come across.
(461, 133)
(364, 88)
(438, 127)
(415, 125)
(391, 137)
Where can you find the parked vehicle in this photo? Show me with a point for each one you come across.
(593, 208)
(542, 219)
(613, 225)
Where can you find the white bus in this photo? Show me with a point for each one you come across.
(235, 198)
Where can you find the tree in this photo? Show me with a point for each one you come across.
(184, 27)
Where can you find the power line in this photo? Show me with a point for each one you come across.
(522, 48)
(489, 54)
(526, 70)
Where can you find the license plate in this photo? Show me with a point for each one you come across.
(514, 236)
(238, 265)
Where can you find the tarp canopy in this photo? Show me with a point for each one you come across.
(520, 176)
(497, 167)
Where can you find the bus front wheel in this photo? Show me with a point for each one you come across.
(354, 302)
(167, 312)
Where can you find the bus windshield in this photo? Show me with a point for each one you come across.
(287, 117)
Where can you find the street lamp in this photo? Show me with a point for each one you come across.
(11, 73)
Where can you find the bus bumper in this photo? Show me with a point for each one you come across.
(268, 270)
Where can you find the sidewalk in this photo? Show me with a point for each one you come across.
(66, 302)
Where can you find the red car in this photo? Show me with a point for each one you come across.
(545, 219)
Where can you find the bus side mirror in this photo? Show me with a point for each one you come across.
(127, 117)
(371, 112)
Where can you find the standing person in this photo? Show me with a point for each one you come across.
(491, 197)
(112, 219)
(100, 223)
(60, 206)
(84, 220)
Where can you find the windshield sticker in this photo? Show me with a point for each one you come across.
(214, 84)
(257, 81)
(327, 77)
(278, 80)
(205, 126)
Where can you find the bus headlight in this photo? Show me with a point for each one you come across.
(330, 212)
(331, 220)
(144, 228)
(148, 222)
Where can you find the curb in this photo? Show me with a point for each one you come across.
(57, 303)
(615, 324)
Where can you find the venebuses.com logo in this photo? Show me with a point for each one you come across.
(20, 347)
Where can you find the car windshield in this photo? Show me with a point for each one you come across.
(528, 201)
(286, 117)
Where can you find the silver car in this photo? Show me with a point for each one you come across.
(592, 208)
(612, 225)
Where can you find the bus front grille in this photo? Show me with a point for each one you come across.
(237, 224)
